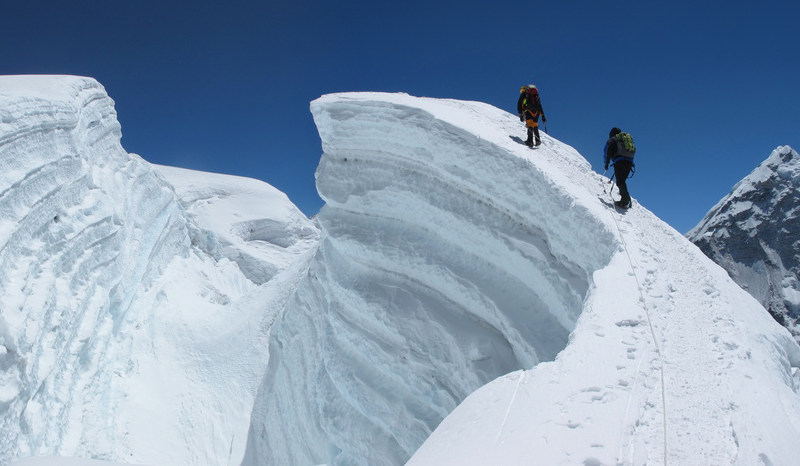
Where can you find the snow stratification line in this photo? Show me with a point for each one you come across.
(650, 323)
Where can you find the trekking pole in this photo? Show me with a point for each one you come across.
(611, 182)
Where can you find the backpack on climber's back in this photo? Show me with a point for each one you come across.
(529, 95)
(625, 146)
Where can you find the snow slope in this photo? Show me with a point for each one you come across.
(670, 363)
(132, 323)
(754, 234)
(64, 461)
(455, 259)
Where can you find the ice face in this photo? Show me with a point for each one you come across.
(447, 261)
(84, 227)
(119, 284)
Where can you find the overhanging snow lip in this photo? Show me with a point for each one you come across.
(366, 149)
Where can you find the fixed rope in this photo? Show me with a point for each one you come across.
(649, 322)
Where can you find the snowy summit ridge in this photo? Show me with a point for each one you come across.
(465, 300)
(451, 255)
(754, 234)
(430, 281)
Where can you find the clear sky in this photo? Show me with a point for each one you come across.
(707, 88)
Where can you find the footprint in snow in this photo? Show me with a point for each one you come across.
(629, 323)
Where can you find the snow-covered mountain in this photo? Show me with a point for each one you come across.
(754, 234)
(132, 323)
(159, 316)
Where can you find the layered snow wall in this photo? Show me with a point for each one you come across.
(460, 269)
(82, 225)
(132, 324)
(447, 260)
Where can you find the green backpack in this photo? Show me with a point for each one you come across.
(625, 146)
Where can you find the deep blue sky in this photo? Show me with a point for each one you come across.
(707, 88)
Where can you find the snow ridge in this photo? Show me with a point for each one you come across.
(754, 234)
(437, 273)
(452, 255)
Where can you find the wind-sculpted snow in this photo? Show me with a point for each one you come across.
(250, 222)
(754, 234)
(464, 276)
(669, 363)
(125, 332)
(447, 260)
(77, 241)
(461, 284)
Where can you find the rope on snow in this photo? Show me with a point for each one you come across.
(649, 322)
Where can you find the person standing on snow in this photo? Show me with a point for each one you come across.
(529, 107)
(619, 151)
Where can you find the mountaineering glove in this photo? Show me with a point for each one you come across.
(606, 167)
(521, 118)
(544, 120)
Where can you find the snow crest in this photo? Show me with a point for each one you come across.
(460, 269)
(446, 261)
